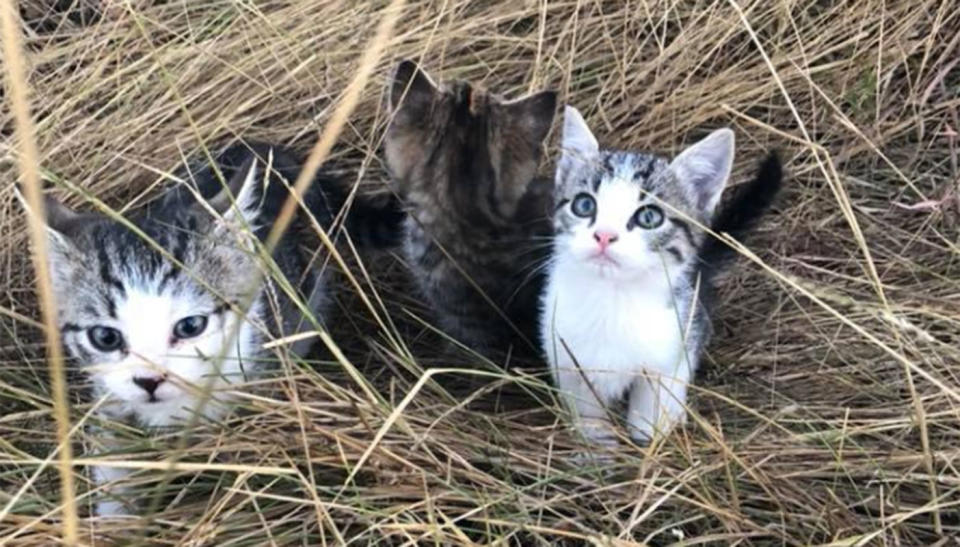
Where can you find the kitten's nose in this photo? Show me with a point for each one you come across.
(605, 238)
(148, 383)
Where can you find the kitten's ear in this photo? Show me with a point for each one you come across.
(532, 116)
(240, 201)
(412, 92)
(61, 221)
(578, 145)
(704, 168)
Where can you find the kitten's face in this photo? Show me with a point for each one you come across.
(456, 150)
(626, 216)
(149, 334)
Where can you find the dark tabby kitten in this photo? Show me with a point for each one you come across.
(464, 160)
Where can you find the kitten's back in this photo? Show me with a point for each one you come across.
(464, 161)
(371, 222)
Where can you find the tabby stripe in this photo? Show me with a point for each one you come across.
(107, 275)
(685, 228)
(645, 171)
(111, 305)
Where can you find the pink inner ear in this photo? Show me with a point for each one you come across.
(703, 175)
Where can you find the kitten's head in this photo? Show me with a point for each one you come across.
(149, 333)
(458, 150)
(625, 215)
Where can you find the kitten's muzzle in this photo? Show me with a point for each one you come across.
(149, 384)
(605, 238)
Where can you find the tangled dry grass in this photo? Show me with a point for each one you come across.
(827, 410)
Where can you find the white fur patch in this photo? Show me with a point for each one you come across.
(146, 320)
(605, 337)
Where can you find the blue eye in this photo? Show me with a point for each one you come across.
(648, 217)
(583, 205)
(190, 327)
(105, 339)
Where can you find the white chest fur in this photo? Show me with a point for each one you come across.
(613, 330)
(615, 337)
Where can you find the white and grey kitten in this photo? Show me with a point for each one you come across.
(163, 335)
(622, 309)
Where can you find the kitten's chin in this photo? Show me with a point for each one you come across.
(603, 265)
(174, 410)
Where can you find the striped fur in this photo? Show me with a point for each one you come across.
(191, 253)
(464, 161)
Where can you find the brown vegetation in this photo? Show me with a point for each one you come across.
(826, 412)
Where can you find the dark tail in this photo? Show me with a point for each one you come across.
(372, 222)
(740, 214)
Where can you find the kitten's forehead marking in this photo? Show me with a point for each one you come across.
(636, 168)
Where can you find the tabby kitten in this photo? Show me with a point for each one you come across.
(156, 330)
(622, 309)
(464, 160)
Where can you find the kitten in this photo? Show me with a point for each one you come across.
(464, 160)
(154, 336)
(622, 309)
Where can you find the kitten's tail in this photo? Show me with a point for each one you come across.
(372, 222)
(740, 214)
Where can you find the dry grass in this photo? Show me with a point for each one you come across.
(827, 411)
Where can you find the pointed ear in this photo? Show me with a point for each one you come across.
(578, 146)
(240, 201)
(61, 221)
(411, 92)
(532, 116)
(704, 167)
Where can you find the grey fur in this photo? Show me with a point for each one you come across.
(465, 162)
(194, 252)
(623, 302)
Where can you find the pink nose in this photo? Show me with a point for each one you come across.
(605, 238)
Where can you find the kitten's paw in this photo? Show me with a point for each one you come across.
(112, 508)
(641, 438)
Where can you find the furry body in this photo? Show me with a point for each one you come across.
(623, 307)
(464, 161)
(155, 313)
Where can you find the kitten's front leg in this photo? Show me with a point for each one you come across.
(590, 413)
(657, 404)
(111, 498)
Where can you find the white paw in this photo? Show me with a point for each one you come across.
(112, 508)
(641, 438)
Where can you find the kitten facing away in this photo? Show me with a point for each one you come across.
(158, 321)
(623, 310)
(464, 160)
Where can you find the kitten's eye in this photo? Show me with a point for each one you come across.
(648, 217)
(190, 327)
(105, 339)
(583, 205)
